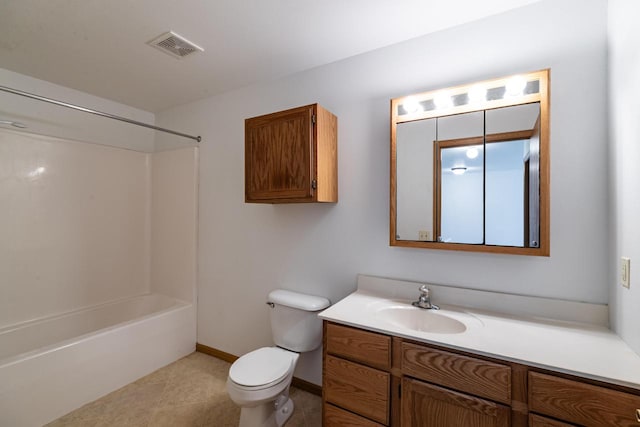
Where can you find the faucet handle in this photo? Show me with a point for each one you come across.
(424, 289)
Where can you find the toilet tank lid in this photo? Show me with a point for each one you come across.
(298, 300)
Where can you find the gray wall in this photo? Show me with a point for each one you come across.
(246, 250)
(624, 39)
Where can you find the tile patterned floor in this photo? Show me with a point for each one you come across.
(189, 392)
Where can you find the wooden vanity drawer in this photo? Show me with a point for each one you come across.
(463, 373)
(358, 388)
(336, 417)
(581, 403)
(539, 421)
(367, 347)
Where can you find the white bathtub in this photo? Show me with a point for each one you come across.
(51, 366)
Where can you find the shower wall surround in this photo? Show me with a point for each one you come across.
(83, 224)
(73, 227)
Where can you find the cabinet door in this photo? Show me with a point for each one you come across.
(279, 155)
(424, 404)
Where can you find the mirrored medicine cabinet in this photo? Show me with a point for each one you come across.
(470, 167)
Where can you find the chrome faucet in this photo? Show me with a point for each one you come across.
(424, 300)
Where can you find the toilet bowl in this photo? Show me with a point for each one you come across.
(259, 381)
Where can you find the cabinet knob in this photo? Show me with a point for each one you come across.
(638, 415)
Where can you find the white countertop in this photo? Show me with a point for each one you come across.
(577, 348)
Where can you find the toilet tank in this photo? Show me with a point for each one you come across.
(295, 324)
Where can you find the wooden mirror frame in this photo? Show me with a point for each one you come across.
(542, 96)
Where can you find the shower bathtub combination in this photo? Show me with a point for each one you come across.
(93, 297)
(53, 365)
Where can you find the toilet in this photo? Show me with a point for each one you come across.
(259, 381)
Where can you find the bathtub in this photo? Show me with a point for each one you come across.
(50, 366)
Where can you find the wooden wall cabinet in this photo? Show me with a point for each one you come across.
(291, 156)
(373, 379)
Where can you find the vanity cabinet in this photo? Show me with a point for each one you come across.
(291, 156)
(373, 379)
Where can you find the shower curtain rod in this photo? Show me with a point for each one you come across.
(98, 113)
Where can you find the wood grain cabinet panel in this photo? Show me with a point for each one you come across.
(463, 373)
(357, 388)
(374, 378)
(336, 417)
(291, 156)
(581, 403)
(425, 404)
(361, 346)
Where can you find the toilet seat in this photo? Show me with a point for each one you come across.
(262, 368)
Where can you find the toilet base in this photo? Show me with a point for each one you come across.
(270, 414)
(284, 410)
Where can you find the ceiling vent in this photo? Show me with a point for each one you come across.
(175, 45)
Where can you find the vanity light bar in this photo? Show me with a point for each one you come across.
(443, 101)
(491, 94)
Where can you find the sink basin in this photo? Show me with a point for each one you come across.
(420, 320)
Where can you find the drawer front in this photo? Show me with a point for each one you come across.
(369, 348)
(358, 388)
(539, 421)
(336, 417)
(463, 373)
(581, 403)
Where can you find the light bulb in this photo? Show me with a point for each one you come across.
(472, 153)
(477, 94)
(515, 86)
(411, 105)
(443, 100)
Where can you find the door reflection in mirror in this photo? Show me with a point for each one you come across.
(460, 185)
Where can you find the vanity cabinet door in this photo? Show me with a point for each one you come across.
(291, 156)
(425, 404)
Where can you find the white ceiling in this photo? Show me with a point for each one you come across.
(99, 46)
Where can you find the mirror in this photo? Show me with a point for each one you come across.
(469, 167)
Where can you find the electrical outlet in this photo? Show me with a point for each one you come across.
(625, 272)
(424, 235)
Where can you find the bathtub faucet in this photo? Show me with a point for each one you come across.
(424, 300)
